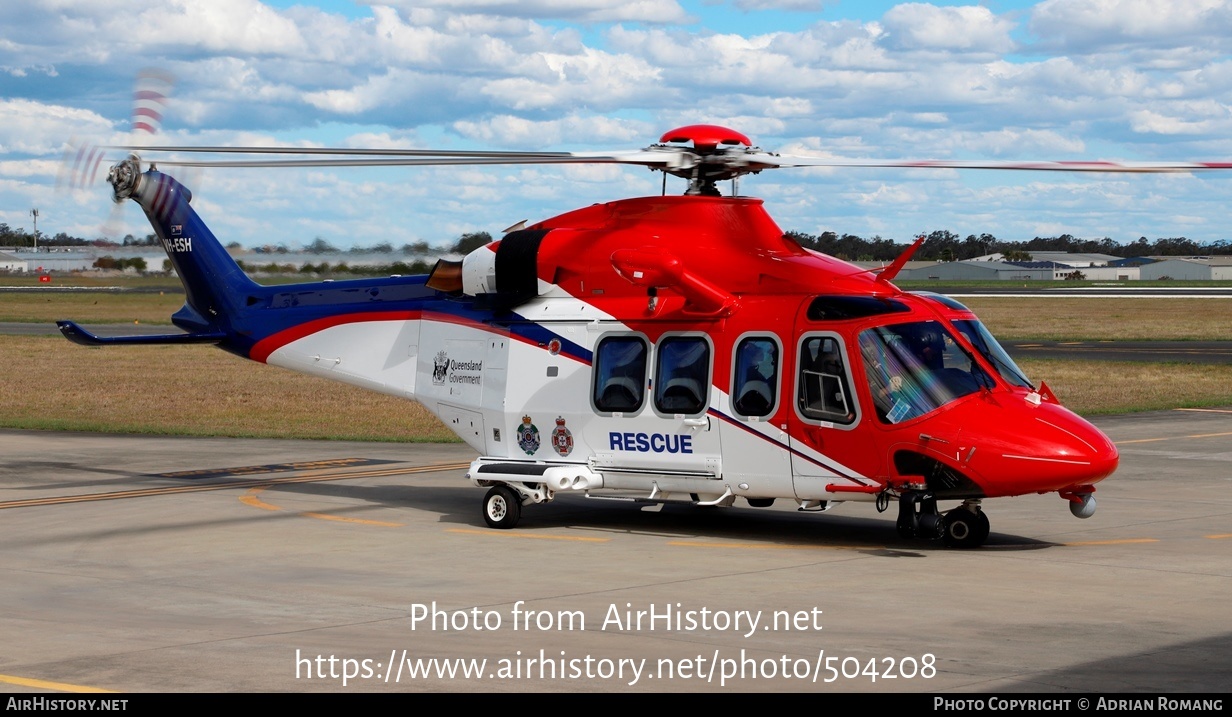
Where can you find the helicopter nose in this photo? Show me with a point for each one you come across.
(1044, 448)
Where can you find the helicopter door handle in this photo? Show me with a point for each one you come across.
(703, 422)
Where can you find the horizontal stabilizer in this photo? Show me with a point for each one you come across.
(75, 333)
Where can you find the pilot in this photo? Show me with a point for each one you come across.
(881, 383)
(925, 344)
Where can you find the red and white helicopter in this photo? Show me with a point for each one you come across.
(664, 348)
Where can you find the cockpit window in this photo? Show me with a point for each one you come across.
(983, 341)
(841, 308)
(943, 300)
(916, 368)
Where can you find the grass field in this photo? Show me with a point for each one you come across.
(1010, 319)
(1103, 387)
(94, 307)
(196, 390)
(52, 384)
(1093, 318)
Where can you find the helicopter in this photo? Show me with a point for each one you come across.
(661, 349)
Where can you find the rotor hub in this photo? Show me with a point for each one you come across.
(124, 177)
(717, 154)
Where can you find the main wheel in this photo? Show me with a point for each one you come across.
(966, 529)
(502, 507)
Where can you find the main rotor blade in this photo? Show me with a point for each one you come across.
(646, 158)
(366, 152)
(658, 157)
(770, 160)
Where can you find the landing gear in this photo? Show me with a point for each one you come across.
(966, 526)
(963, 527)
(918, 517)
(502, 507)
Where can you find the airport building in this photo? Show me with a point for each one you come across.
(12, 263)
(1193, 268)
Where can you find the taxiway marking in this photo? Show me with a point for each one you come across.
(250, 498)
(47, 685)
(528, 536)
(1122, 541)
(1173, 437)
(251, 483)
(726, 546)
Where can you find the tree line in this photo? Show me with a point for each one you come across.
(940, 245)
(944, 245)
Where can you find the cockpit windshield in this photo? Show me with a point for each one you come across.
(983, 341)
(916, 368)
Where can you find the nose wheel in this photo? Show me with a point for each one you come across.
(963, 527)
(966, 526)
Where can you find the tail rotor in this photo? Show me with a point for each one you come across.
(84, 163)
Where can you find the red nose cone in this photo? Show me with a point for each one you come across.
(1025, 448)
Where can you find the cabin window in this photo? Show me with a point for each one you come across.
(825, 393)
(682, 375)
(755, 377)
(620, 374)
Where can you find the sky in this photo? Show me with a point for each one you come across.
(1004, 79)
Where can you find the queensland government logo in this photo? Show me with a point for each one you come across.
(440, 368)
(528, 436)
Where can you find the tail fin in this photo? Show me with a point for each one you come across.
(215, 286)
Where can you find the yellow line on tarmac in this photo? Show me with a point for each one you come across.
(1220, 537)
(248, 483)
(359, 521)
(1124, 541)
(1173, 438)
(522, 534)
(45, 685)
(1205, 410)
(745, 546)
(250, 498)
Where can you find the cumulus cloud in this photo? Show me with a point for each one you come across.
(588, 11)
(919, 26)
(586, 131)
(1095, 25)
(790, 5)
(1119, 78)
(28, 127)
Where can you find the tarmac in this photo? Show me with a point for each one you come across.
(166, 564)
